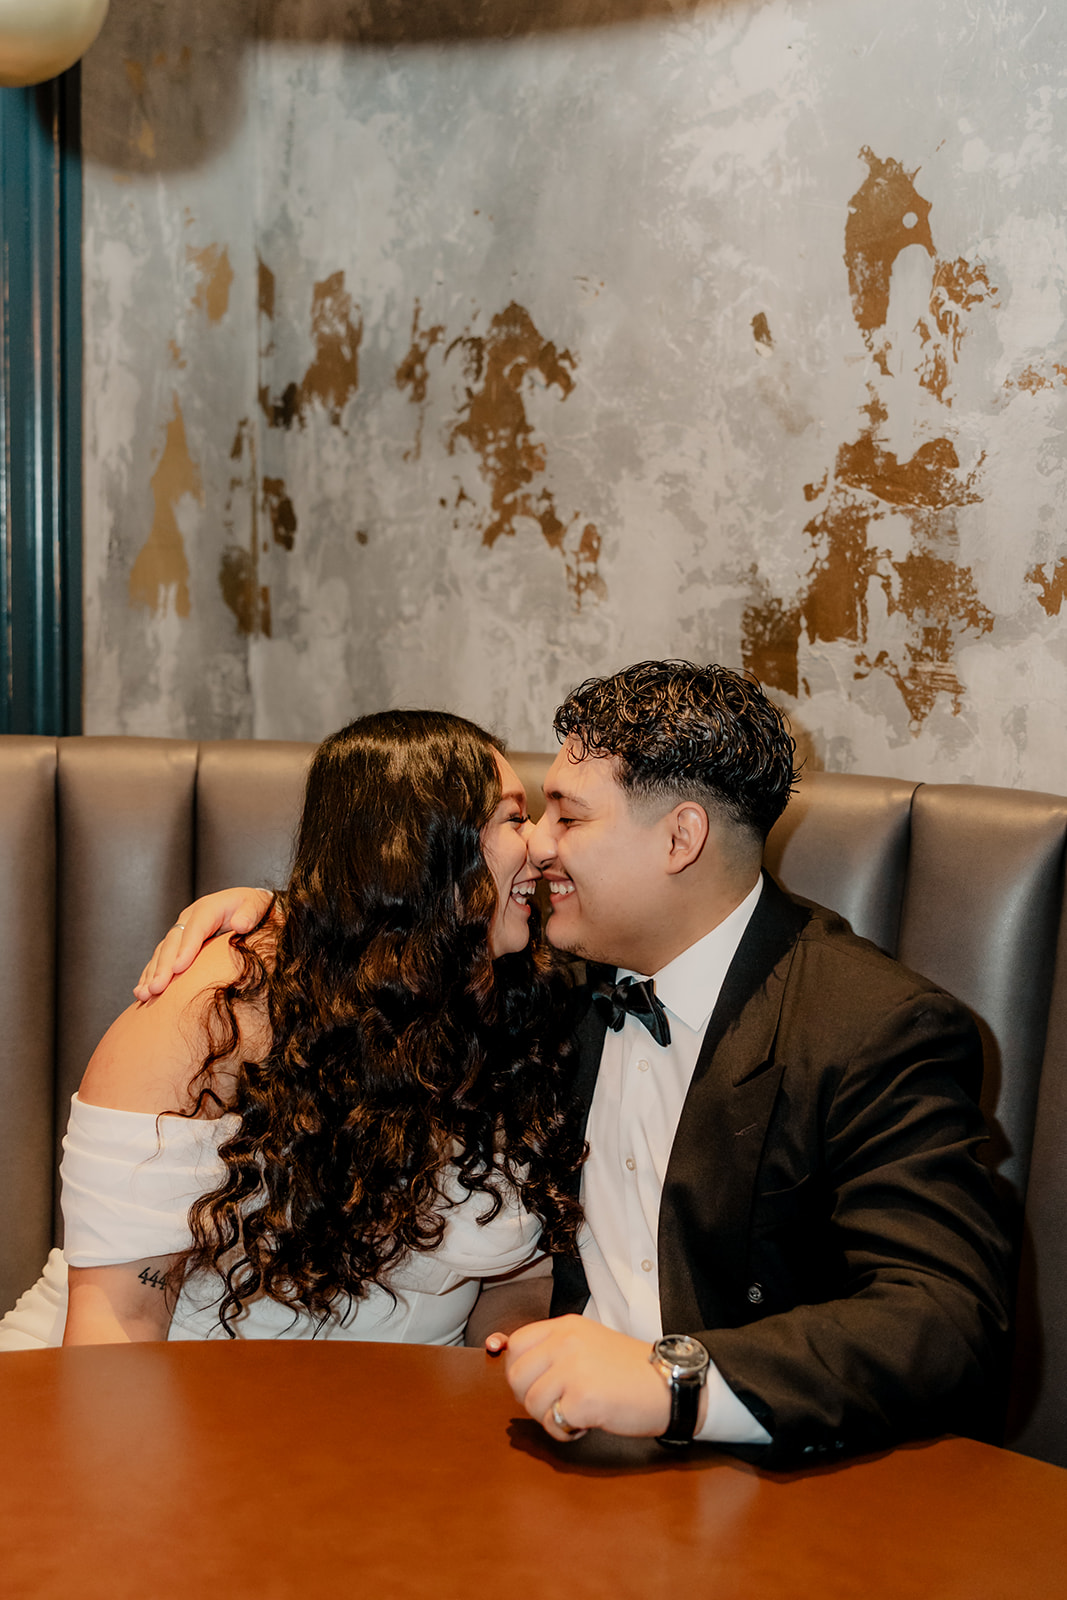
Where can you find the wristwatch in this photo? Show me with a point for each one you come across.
(682, 1363)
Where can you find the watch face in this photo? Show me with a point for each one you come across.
(683, 1353)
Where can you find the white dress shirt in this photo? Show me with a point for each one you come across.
(633, 1118)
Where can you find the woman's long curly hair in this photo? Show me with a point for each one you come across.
(398, 1046)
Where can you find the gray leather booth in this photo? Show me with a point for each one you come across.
(102, 840)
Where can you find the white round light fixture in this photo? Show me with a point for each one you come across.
(39, 39)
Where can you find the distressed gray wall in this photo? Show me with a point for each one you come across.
(444, 353)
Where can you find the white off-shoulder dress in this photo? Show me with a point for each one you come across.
(129, 1179)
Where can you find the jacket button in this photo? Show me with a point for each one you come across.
(755, 1294)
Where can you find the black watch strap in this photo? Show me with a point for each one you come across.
(685, 1408)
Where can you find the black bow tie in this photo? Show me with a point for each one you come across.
(639, 1000)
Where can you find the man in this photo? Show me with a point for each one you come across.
(784, 1180)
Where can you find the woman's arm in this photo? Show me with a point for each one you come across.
(144, 1064)
(510, 1302)
(125, 1304)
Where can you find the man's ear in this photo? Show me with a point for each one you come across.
(689, 834)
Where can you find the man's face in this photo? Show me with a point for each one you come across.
(603, 864)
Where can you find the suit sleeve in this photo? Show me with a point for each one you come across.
(877, 1261)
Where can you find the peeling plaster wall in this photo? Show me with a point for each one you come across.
(435, 357)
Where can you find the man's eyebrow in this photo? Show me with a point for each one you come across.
(574, 801)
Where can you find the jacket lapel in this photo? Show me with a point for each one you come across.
(589, 1035)
(709, 1184)
(570, 1291)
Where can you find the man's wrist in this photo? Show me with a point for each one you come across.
(682, 1362)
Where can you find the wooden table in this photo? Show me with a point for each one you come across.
(283, 1470)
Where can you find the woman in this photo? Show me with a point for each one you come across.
(336, 1124)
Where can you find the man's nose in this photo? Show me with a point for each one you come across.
(540, 846)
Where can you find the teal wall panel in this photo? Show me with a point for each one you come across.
(40, 409)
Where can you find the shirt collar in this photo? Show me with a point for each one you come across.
(689, 985)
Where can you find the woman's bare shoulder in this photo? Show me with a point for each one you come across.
(152, 1051)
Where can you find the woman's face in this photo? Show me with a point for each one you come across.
(504, 840)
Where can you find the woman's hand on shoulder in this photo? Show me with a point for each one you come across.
(151, 1053)
(227, 911)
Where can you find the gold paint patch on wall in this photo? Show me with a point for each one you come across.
(935, 594)
(834, 603)
(239, 584)
(1053, 587)
(939, 598)
(770, 636)
(940, 594)
(956, 289)
(499, 366)
(248, 600)
(871, 482)
(919, 684)
(583, 576)
(161, 565)
(957, 286)
(927, 478)
(1030, 380)
(413, 373)
(494, 423)
(885, 216)
(333, 376)
(761, 332)
(144, 141)
(493, 418)
(216, 276)
(264, 288)
(279, 508)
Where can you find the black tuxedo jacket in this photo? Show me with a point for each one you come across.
(826, 1227)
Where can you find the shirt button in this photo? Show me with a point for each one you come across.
(755, 1294)
(631, 1164)
(646, 1266)
(642, 1066)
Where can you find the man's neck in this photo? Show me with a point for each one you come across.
(681, 932)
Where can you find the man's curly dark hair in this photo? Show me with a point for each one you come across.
(680, 731)
(398, 1045)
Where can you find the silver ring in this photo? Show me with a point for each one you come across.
(174, 925)
(561, 1422)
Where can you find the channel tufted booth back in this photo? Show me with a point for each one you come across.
(103, 840)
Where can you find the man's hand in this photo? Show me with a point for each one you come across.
(590, 1376)
(229, 911)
